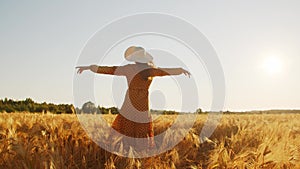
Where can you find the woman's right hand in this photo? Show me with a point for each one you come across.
(82, 68)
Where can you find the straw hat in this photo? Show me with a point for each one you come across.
(137, 54)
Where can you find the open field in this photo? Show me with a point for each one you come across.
(240, 141)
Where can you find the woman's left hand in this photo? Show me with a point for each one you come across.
(185, 72)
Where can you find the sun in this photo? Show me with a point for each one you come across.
(273, 65)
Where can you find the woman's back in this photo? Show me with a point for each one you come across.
(139, 80)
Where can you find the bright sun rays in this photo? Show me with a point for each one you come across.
(273, 65)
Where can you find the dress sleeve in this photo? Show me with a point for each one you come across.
(164, 71)
(113, 70)
(157, 72)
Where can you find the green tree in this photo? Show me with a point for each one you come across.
(114, 110)
(89, 108)
(199, 111)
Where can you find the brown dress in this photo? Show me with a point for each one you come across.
(135, 119)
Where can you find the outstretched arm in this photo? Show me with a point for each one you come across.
(97, 69)
(169, 71)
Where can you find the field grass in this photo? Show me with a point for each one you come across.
(239, 141)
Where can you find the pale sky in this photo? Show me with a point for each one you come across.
(257, 43)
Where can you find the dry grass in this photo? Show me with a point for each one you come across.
(240, 141)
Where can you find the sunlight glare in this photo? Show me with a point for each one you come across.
(273, 65)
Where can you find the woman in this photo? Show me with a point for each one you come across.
(134, 119)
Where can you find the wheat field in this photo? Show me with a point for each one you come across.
(239, 141)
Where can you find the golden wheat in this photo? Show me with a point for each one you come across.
(239, 141)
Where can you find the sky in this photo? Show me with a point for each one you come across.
(256, 42)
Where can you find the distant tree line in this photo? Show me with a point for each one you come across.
(28, 105)
(90, 108)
